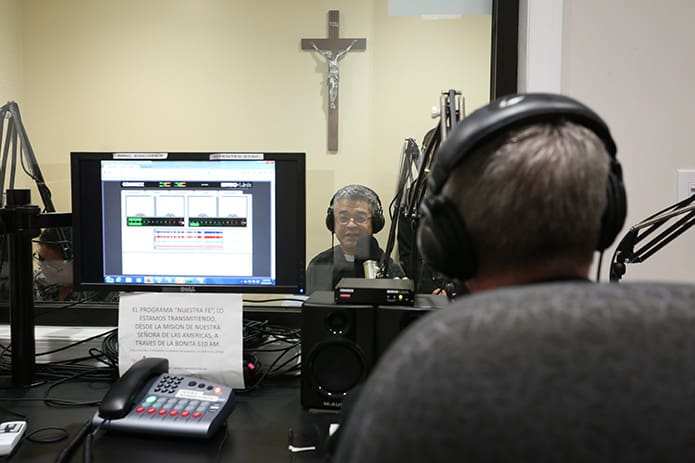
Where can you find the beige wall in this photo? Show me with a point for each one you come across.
(633, 62)
(11, 69)
(229, 75)
(173, 75)
(10, 51)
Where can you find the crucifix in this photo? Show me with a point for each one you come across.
(333, 49)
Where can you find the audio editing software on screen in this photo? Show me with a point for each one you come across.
(189, 222)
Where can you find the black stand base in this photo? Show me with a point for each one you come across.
(21, 222)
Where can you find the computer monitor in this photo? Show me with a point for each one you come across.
(185, 222)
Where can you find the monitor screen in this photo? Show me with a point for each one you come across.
(232, 222)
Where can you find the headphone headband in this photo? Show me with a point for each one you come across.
(507, 113)
(443, 236)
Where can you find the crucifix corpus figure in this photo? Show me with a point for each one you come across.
(333, 70)
(334, 48)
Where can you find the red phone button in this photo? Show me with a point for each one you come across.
(139, 409)
(174, 412)
(185, 414)
(197, 414)
(162, 412)
(151, 411)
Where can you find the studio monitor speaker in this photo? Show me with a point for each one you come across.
(342, 343)
(391, 321)
(337, 350)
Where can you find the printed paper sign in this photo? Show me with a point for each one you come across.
(200, 334)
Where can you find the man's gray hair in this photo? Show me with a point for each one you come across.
(538, 193)
(357, 192)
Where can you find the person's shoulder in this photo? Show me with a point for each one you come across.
(43, 291)
(323, 257)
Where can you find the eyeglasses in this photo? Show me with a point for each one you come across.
(359, 219)
(44, 263)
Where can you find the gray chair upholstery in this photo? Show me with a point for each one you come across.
(556, 372)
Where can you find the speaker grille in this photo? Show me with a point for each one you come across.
(337, 367)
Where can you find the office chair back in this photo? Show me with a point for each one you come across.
(557, 372)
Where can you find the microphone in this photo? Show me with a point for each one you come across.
(368, 254)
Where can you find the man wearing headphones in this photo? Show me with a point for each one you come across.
(354, 214)
(522, 191)
(53, 278)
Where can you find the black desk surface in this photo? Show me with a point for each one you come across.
(257, 430)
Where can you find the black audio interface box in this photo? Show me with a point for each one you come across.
(377, 291)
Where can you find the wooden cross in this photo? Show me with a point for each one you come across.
(333, 49)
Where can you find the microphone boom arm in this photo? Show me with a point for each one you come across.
(16, 132)
(411, 152)
(625, 252)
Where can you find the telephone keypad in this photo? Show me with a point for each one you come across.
(168, 384)
(178, 405)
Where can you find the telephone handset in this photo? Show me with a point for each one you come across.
(121, 397)
(146, 399)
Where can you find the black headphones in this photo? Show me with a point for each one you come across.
(443, 238)
(60, 239)
(363, 193)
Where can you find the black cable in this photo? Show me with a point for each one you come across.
(61, 372)
(68, 306)
(278, 370)
(283, 331)
(221, 446)
(69, 368)
(262, 377)
(273, 335)
(253, 333)
(110, 346)
(261, 333)
(109, 349)
(77, 343)
(280, 299)
(274, 330)
(31, 437)
(598, 267)
(89, 440)
(276, 349)
(60, 434)
(395, 206)
(69, 450)
(101, 357)
(68, 403)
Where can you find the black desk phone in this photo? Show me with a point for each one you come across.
(146, 399)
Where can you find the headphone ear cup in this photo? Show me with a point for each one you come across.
(330, 219)
(614, 215)
(378, 221)
(443, 239)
